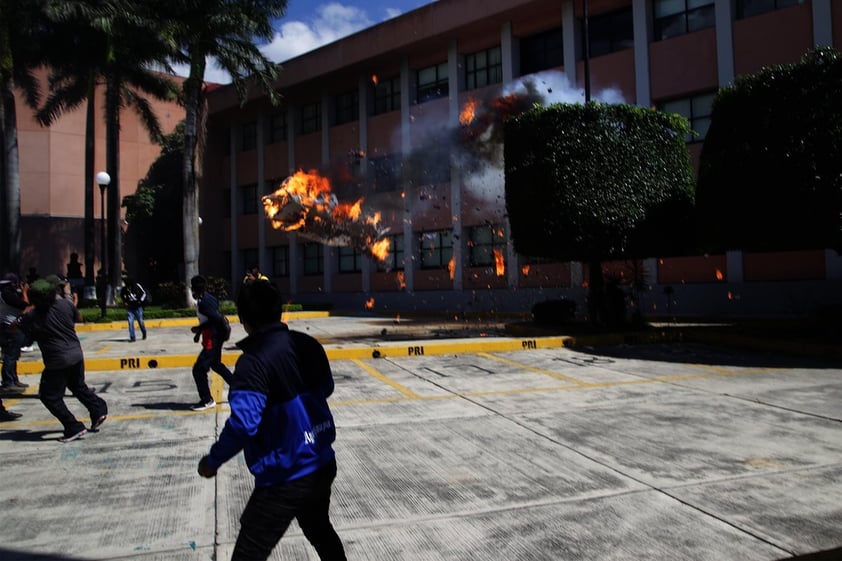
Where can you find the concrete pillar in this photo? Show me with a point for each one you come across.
(569, 43)
(832, 265)
(261, 190)
(453, 81)
(410, 244)
(642, 18)
(292, 239)
(232, 199)
(823, 23)
(724, 17)
(362, 88)
(734, 262)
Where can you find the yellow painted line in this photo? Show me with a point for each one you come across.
(181, 322)
(386, 380)
(429, 348)
(529, 368)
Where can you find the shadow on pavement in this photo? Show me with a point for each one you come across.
(829, 555)
(14, 555)
(29, 436)
(165, 406)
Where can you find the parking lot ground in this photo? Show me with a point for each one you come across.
(465, 448)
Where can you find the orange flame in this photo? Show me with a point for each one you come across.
(469, 111)
(369, 304)
(375, 79)
(719, 275)
(499, 263)
(451, 267)
(401, 279)
(380, 249)
(730, 295)
(524, 270)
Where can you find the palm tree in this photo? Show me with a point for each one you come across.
(21, 26)
(116, 41)
(224, 30)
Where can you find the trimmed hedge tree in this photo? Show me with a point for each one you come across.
(770, 174)
(596, 182)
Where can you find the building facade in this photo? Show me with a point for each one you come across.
(52, 179)
(378, 114)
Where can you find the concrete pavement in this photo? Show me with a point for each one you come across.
(455, 442)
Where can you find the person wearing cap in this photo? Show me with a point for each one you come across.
(211, 330)
(51, 322)
(12, 304)
(253, 273)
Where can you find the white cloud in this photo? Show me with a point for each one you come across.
(332, 21)
(392, 13)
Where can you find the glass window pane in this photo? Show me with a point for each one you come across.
(701, 18)
(701, 105)
(680, 106)
(668, 7)
(693, 4)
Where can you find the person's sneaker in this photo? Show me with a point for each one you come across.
(27, 349)
(20, 384)
(10, 389)
(144, 336)
(72, 437)
(98, 423)
(6, 416)
(202, 405)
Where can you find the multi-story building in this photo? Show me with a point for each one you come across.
(52, 178)
(378, 114)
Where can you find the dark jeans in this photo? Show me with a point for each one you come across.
(11, 340)
(55, 381)
(209, 359)
(271, 509)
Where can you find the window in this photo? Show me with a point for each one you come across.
(611, 32)
(277, 128)
(280, 261)
(696, 109)
(387, 95)
(748, 8)
(436, 249)
(677, 17)
(483, 68)
(347, 107)
(311, 117)
(394, 261)
(312, 255)
(248, 199)
(483, 241)
(248, 140)
(350, 260)
(384, 172)
(432, 82)
(541, 51)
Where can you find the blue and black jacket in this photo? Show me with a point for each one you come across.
(279, 412)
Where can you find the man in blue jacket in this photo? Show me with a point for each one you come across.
(280, 419)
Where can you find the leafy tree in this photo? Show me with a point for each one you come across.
(21, 31)
(153, 213)
(595, 182)
(770, 174)
(116, 41)
(225, 31)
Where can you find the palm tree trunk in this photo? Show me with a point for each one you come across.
(89, 183)
(10, 225)
(112, 164)
(190, 220)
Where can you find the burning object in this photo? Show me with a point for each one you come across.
(305, 204)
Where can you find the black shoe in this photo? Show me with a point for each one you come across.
(20, 384)
(203, 405)
(6, 416)
(98, 423)
(131, 340)
(74, 436)
(10, 389)
(144, 336)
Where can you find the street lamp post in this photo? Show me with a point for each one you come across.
(103, 179)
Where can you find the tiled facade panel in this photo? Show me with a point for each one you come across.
(308, 150)
(695, 269)
(785, 265)
(383, 134)
(758, 40)
(611, 71)
(277, 164)
(683, 65)
(544, 275)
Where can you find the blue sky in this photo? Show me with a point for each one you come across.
(309, 24)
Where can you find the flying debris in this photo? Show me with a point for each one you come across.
(305, 204)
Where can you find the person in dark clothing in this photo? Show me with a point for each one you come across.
(51, 324)
(12, 304)
(280, 419)
(134, 298)
(211, 330)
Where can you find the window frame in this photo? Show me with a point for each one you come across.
(387, 96)
(481, 251)
(248, 199)
(697, 112)
(280, 261)
(612, 26)
(312, 259)
(311, 117)
(682, 19)
(436, 88)
(248, 136)
(349, 260)
(395, 260)
(544, 44)
(491, 71)
(346, 107)
(439, 253)
(277, 128)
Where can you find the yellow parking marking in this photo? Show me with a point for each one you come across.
(523, 366)
(375, 374)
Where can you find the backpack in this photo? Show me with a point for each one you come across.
(226, 328)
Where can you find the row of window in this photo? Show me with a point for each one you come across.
(435, 252)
